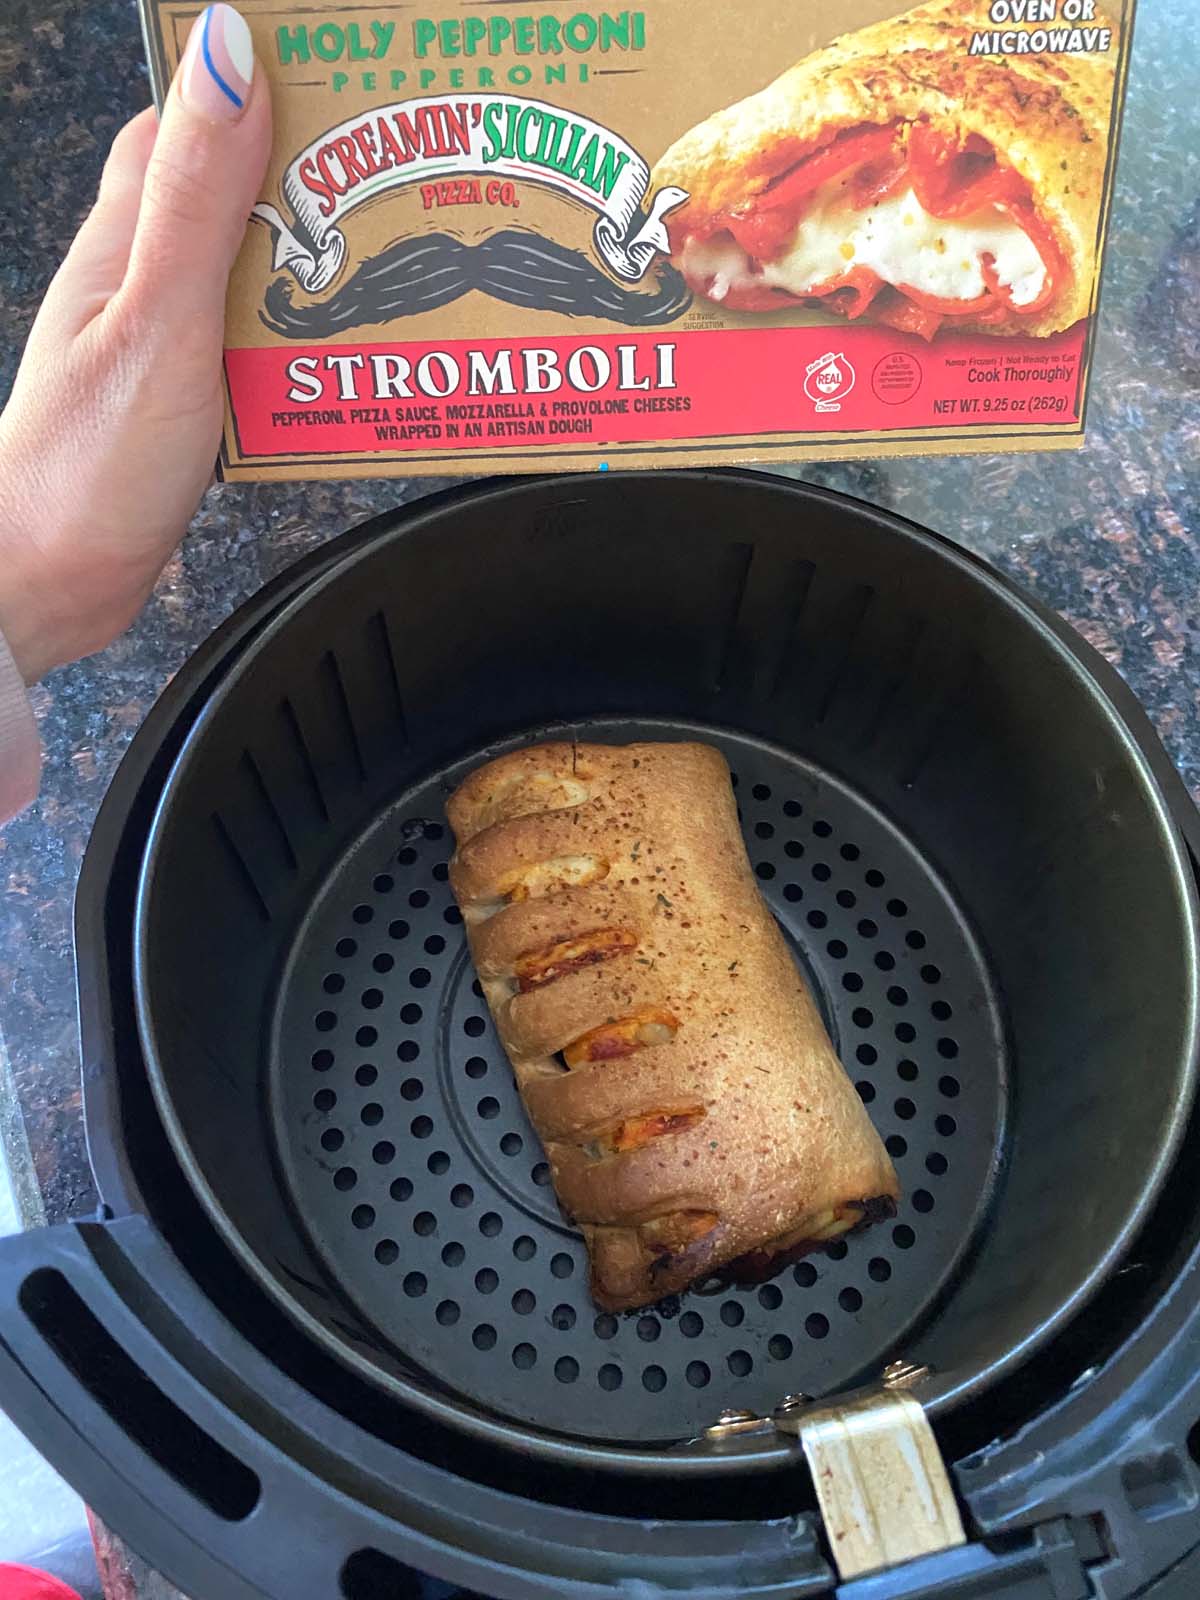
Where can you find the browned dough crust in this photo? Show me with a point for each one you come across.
(739, 1132)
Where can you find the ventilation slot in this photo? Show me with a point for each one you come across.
(337, 688)
(857, 606)
(737, 561)
(960, 679)
(798, 591)
(292, 723)
(370, 1575)
(381, 633)
(136, 1404)
(259, 785)
(241, 869)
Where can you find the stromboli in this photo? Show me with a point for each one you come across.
(694, 1113)
(894, 175)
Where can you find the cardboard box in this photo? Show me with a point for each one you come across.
(504, 237)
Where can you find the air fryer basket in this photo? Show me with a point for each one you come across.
(962, 842)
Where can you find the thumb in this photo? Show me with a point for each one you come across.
(204, 176)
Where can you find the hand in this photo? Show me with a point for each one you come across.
(109, 439)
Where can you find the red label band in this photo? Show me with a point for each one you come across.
(597, 391)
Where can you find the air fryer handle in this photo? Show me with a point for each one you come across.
(83, 1377)
(181, 1475)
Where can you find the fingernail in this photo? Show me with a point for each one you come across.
(218, 64)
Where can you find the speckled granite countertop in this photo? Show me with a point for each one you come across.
(1110, 536)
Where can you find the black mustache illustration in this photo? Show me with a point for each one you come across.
(523, 269)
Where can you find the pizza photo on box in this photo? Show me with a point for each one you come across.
(895, 176)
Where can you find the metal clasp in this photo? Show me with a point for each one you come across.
(881, 1483)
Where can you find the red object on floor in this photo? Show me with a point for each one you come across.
(23, 1583)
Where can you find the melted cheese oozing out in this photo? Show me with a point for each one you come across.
(897, 238)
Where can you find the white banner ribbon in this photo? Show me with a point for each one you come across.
(504, 136)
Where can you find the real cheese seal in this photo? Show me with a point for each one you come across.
(496, 238)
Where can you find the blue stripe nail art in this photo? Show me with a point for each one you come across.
(208, 62)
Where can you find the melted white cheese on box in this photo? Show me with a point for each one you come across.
(897, 238)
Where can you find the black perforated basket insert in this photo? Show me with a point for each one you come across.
(409, 1157)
